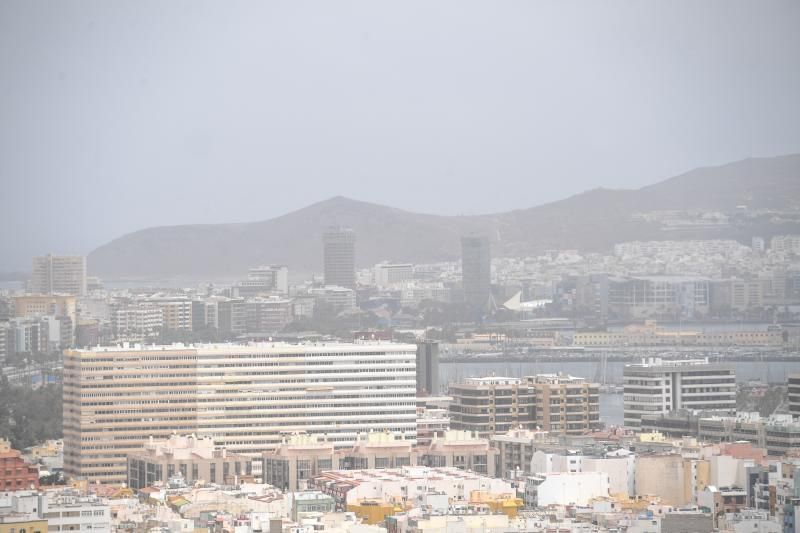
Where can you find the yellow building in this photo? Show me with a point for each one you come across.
(10, 524)
(653, 436)
(33, 305)
(50, 448)
(676, 479)
(373, 511)
(507, 504)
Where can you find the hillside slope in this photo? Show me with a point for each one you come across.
(592, 221)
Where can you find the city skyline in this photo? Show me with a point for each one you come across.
(400, 267)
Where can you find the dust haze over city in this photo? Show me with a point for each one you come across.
(411, 267)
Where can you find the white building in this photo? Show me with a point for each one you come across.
(659, 386)
(246, 397)
(64, 510)
(70, 512)
(338, 298)
(412, 293)
(276, 276)
(561, 488)
(387, 274)
(138, 321)
(409, 484)
(789, 244)
(620, 467)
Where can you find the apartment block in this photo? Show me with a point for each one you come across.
(654, 296)
(338, 299)
(138, 321)
(492, 405)
(231, 318)
(565, 404)
(64, 510)
(60, 307)
(268, 315)
(193, 458)
(516, 449)
(177, 313)
(462, 450)
(264, 280)
(54, 274)
(557, 403)
(245, 397)
(301, 457)
(388, 274)
(659, 386)
(15, 473)
(793, 394)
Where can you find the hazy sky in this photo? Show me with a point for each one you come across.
(116, 116)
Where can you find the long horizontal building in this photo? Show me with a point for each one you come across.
(245, 397)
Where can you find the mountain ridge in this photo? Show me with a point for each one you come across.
(592, 220)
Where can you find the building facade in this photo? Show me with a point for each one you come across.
(15, 473)
(268, 315)
(246, 397)
(54, 274)
(565, 404)
(793, 394)
(428, 368)
(231, 318)
(658, 386)
(339, 255)
(492, 405)
(194, 458)
(557, 403)
(338, 299)
(137, 321)
(388, 274)
(476, 270)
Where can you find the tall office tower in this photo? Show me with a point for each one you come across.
(339, 251)
(657, 386)
(476, 270)
(54, 274)
(247, 398)
(428, 368)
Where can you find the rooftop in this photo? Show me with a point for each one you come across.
(252, 347)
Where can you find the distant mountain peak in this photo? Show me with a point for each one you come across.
(592, 221)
